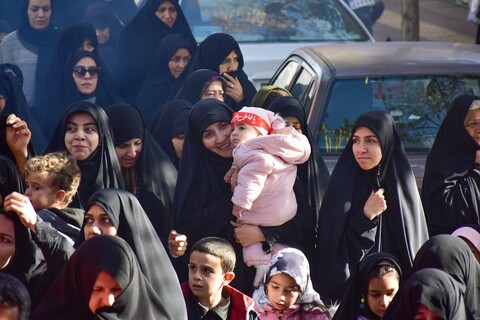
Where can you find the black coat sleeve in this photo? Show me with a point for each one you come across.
(204, 216)
(455, 204)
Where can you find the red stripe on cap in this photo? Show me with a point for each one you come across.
(251, 119)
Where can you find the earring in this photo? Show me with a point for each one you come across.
(362, 302)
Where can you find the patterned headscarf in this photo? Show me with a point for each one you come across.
(293, 263)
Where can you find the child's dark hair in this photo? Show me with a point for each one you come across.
(381, 270)
(220, 248)
(13, 294)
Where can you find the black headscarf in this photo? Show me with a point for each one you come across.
(350, 308)
(451, 183)
(23, 261)
(137, 46)
(345, 234)
(452, 255)
(199, 165)
(11, 89)
(314, 173)
(71, 40)
(101, 16)
(172, 121)
(212, 52)
(41, 42)
(160, 86)
(156, 175)
(69, 295)
(100, 170)
(196, 82)
(433, 288)
(124, 10)
(202, 205)
(67, 92)
(133, 225)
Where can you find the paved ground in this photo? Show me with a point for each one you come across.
(440, 20)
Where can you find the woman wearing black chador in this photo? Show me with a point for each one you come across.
(139, 42)
(371, 205)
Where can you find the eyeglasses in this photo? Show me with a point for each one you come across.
(81, 71)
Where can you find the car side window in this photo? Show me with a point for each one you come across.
(301, 84)
(418, 105)
(286, 75)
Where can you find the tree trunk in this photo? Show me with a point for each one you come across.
(410, 20)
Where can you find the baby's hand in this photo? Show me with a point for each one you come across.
(286, 130)
(228, 175)
(237, 211)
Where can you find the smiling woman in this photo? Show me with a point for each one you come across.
(84, 132)
(202, 202)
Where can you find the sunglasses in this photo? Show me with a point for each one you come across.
(81, 71)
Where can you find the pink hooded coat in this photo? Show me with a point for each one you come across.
(265, 182)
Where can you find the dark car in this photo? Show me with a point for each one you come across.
(413, 81)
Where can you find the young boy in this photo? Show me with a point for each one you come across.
(207, 293)
(52, 182)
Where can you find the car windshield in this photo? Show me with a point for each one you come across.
(273, 20)
(418, 105)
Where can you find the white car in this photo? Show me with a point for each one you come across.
(269, 30)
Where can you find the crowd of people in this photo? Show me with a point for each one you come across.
(142, 176)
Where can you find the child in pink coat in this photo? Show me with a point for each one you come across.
(267, 154)
(287, 292)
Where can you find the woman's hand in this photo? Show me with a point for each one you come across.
(375, 204)
(18, 137)
(21, 205)
(177, 244)
(247, 234)
(234, 88)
